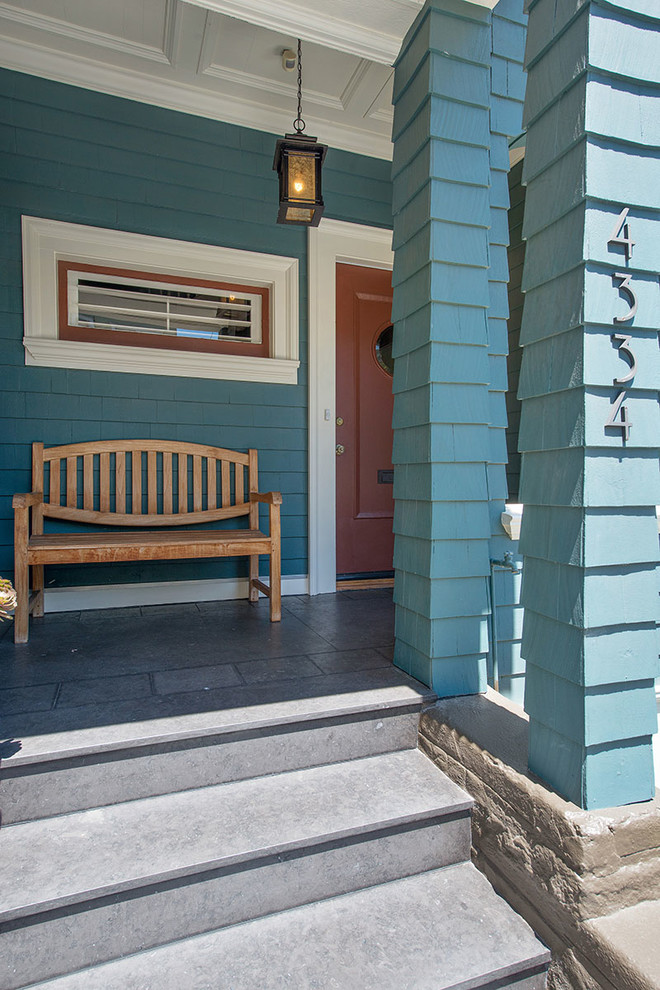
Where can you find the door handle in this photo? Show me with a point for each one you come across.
(339, 449)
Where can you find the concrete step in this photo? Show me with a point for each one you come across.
(94, 885)
(441, 930)
(98, 755)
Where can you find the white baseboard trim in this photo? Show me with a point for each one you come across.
(160, 593)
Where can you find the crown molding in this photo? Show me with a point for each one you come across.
(252, 81)
(173, 94)
(298, 20)
(354, 83)
(89, 36)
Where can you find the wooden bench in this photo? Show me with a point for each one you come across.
(140, 483)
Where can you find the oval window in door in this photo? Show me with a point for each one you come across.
(383, 350)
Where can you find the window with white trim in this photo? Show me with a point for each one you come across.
(115, 301)
(145, 309)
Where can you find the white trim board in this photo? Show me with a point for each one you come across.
(160, 593)
(332, 242)
(47, 241)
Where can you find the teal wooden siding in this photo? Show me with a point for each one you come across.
(442, 220)
(589, 532)
(83, 157)
(507, 85)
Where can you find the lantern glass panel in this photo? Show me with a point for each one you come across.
(302, 176)
(295, 214)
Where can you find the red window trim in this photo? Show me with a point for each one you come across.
(97, 335)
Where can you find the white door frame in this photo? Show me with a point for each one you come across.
(332, 242)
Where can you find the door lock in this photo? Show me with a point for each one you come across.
(339, 449)
(340, 421)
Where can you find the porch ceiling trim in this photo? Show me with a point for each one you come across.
(301, 20)
(172, 94)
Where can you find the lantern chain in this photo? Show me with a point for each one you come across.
(299, 123)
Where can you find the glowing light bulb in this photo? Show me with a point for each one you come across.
(298, 186)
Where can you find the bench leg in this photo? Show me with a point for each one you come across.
(22, 611)
(38, 588)
(254, 574)
(275, 563)
(21, 575)
(275, 587)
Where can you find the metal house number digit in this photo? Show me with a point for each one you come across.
(626, 240)
(625, 349)
(620, 237)
(623, 423)
(625, 287)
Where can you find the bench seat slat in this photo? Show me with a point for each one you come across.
(136, 481)
(164, 545)
(54, 482)
(197, 483)
(120, 481)
(167, 483)
(225, 483)
(212, 482)
(152, 481)
(72, 482)
(88, 481)
(104, 481)
(183, 483)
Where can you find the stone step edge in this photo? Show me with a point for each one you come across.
(204, 734)
(524, 969)
(229, 864)
(237, 862)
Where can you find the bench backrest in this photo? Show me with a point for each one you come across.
(143, 482)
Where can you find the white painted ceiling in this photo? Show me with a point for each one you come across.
(222, 58)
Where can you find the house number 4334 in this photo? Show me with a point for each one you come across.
(620, 237)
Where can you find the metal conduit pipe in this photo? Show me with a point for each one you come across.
(507, 563)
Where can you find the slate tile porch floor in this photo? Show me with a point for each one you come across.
(95, 668)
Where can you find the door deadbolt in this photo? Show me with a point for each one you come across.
(339, 449)
(340, 421)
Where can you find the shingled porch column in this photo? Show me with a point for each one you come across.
(591, 357)
(441, 196)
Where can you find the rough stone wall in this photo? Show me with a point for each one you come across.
(557, 865)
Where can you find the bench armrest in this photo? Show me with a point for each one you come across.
(23, 501)
(270, 498)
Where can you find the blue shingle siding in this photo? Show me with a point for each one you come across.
(507, 77)
(74, 155)
(589, 532)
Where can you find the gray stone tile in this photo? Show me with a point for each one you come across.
(244, 706)
(63, 617)
(369, 594)
(109, 614)
(347, 660)
(27, 699)
(354, 630)
(103, 644)
(103, 689)
(196, 679)
(232, 607)
(184, 609)
(281, 669)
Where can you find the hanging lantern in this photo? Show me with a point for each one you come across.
(298, 161)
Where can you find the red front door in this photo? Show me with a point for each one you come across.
(365, 506)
